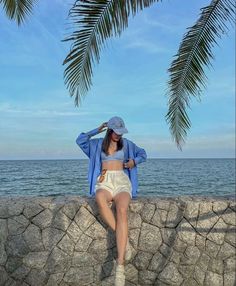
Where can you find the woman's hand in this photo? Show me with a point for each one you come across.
(103, 127)
(130, 164)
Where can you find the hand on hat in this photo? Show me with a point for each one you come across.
(103, 127)
(130, 164)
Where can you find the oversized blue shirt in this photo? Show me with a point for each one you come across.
(92, 148)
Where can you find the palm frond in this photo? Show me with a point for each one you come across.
(18, 9)
(94, 21)
(187, 75)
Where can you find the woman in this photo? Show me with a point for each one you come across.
(112, 176)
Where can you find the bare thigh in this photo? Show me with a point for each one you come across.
(102, 196)
(122, 201)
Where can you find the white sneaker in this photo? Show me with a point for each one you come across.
(128, 251)
(120, 275)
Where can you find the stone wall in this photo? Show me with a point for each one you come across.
(63, 241)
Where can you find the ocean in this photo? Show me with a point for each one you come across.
(157, 177)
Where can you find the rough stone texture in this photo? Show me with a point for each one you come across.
(63, 241)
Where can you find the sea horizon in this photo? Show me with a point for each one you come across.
(150, 158)
(156, 176)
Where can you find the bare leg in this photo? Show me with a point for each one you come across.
(122, 202)
(102, 199)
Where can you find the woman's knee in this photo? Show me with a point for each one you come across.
(121, 210)
(101, 197)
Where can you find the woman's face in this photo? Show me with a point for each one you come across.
(115, 137)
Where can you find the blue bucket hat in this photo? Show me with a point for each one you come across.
(117, 125)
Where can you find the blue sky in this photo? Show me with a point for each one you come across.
(40, 121)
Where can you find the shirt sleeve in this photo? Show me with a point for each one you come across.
(140, 154)
(84, 141)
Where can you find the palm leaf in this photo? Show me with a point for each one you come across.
(18, 9)
(94, 21)
(187, 75)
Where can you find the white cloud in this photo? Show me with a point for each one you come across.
(146, 46)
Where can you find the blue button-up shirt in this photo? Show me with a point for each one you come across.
(92, 148)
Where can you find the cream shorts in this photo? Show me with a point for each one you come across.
(115, 181)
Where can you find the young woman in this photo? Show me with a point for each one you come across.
(112, 176)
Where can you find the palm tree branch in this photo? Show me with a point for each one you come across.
(18, 9)
(187, 74)
(96, 21)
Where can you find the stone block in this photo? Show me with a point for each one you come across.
(191, 212)
(17, 224)
(57, 262)
(3, 230)
(186, 232)
(131, 274)
(51, 236)
(159, 218)
(84, 218)
(157, 262)
(216, 266)
(13, 263)
(61, 221)
(147, 277)
(10, 208)
(66, 244)
(150, 238)
(147, 212)
(212, 248)
(36, 259)
(206, 219)
(134, 220)
(219, 207)
(134, 237)
(203, 261)
(70, 209)
(213, 279)
(230, 264)
(32, 210)
(171, 275)
(79, 276)
(230, 235)
(43, 219)
(226, 251)
(136, 207)
(162, 204)
(190, 256)
(37, 277)
(98, 245)
(176, 257)
(74, 232)
(33, 237)
(55, 279)
(83, 243)
(21, 272)
(199, 275)
(169, 235)
(229, 217)
(174, 216)
(96, 230)
(229, 279)
(3, 275)
(16, 246)
(80, 259)
(142, 260)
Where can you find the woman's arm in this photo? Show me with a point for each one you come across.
(84, 141)
(140, 154)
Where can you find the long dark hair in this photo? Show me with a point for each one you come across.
(106, 142)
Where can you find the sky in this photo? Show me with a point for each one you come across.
(39, 120)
